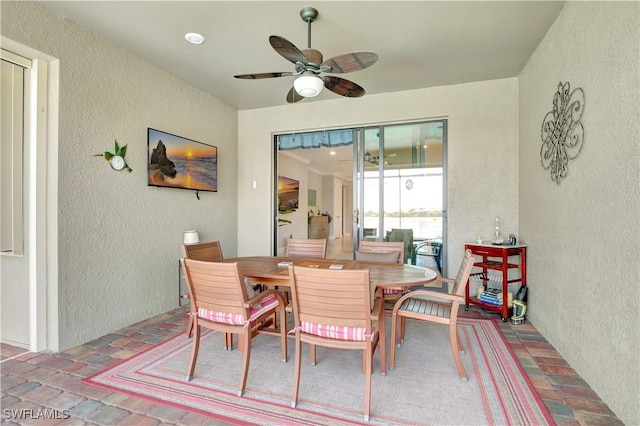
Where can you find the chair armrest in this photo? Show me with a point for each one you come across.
(441, 280)
(377, 311)
(260, 296)
(430, 294)
(449, 281)
(436, 294)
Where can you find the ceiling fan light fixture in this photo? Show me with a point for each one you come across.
(308, 85)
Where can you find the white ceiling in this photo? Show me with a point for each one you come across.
(420, 43)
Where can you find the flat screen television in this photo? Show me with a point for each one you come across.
(288, 193)
(178, 162)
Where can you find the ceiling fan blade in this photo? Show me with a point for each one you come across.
(343, 87)
(287, 50)
(293, 96)
(350, 62)
(263, 75)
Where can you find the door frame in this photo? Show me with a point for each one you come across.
(40, 177)
(358, 184)
(358, 167)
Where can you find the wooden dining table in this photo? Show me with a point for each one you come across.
(274, 271)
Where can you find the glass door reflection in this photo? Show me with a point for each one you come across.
(400, 188)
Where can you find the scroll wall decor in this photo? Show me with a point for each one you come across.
(562, 131)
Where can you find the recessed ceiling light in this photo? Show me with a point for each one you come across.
(332, 153)
(194, 38)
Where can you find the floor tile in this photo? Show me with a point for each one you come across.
(41, 394)
(53, 381)
(107, 415)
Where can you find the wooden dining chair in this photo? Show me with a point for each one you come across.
(219, 302)
(301, 247)
(332, 308)
(381, 251)
(210, 252)
(436, 307)
(381, 247)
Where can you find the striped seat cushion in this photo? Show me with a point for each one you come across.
(266, 304)
(390, 291)
(427, 307)
(335, 332)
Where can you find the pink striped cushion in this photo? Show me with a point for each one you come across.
(390, 291)
(238, 319)
(334, 331)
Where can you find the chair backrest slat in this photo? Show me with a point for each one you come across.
(332, 297)
(300, 247)
(383, 246)
(463, 273)
(211, 251)
(215, 286)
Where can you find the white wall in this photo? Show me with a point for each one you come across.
(119, 241)
(482, 153)
(328, 198)
(347, 209)
(315, 183)
(584, 233)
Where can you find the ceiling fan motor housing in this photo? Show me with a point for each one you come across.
(313, 56)
(309, 14)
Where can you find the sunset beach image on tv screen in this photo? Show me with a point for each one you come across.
(179, 162)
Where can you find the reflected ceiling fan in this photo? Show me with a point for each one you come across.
(309, 65)
(375, 159)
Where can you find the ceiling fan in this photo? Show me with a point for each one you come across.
(375, 159)
(309, 66)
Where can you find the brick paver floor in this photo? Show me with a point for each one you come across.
(48, 385)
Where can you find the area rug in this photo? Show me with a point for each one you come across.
(423, 389)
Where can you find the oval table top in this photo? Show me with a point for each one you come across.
(275, 270)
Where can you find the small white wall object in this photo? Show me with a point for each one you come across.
(191, 237)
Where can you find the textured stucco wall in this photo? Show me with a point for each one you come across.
(119, 240)
(584, 233)
(482, 153)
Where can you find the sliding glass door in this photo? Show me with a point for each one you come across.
(399, 188)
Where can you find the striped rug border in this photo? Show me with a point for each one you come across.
(507, 393)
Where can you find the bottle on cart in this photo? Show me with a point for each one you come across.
(497, 239)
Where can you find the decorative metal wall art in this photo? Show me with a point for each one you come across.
(562, 131)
